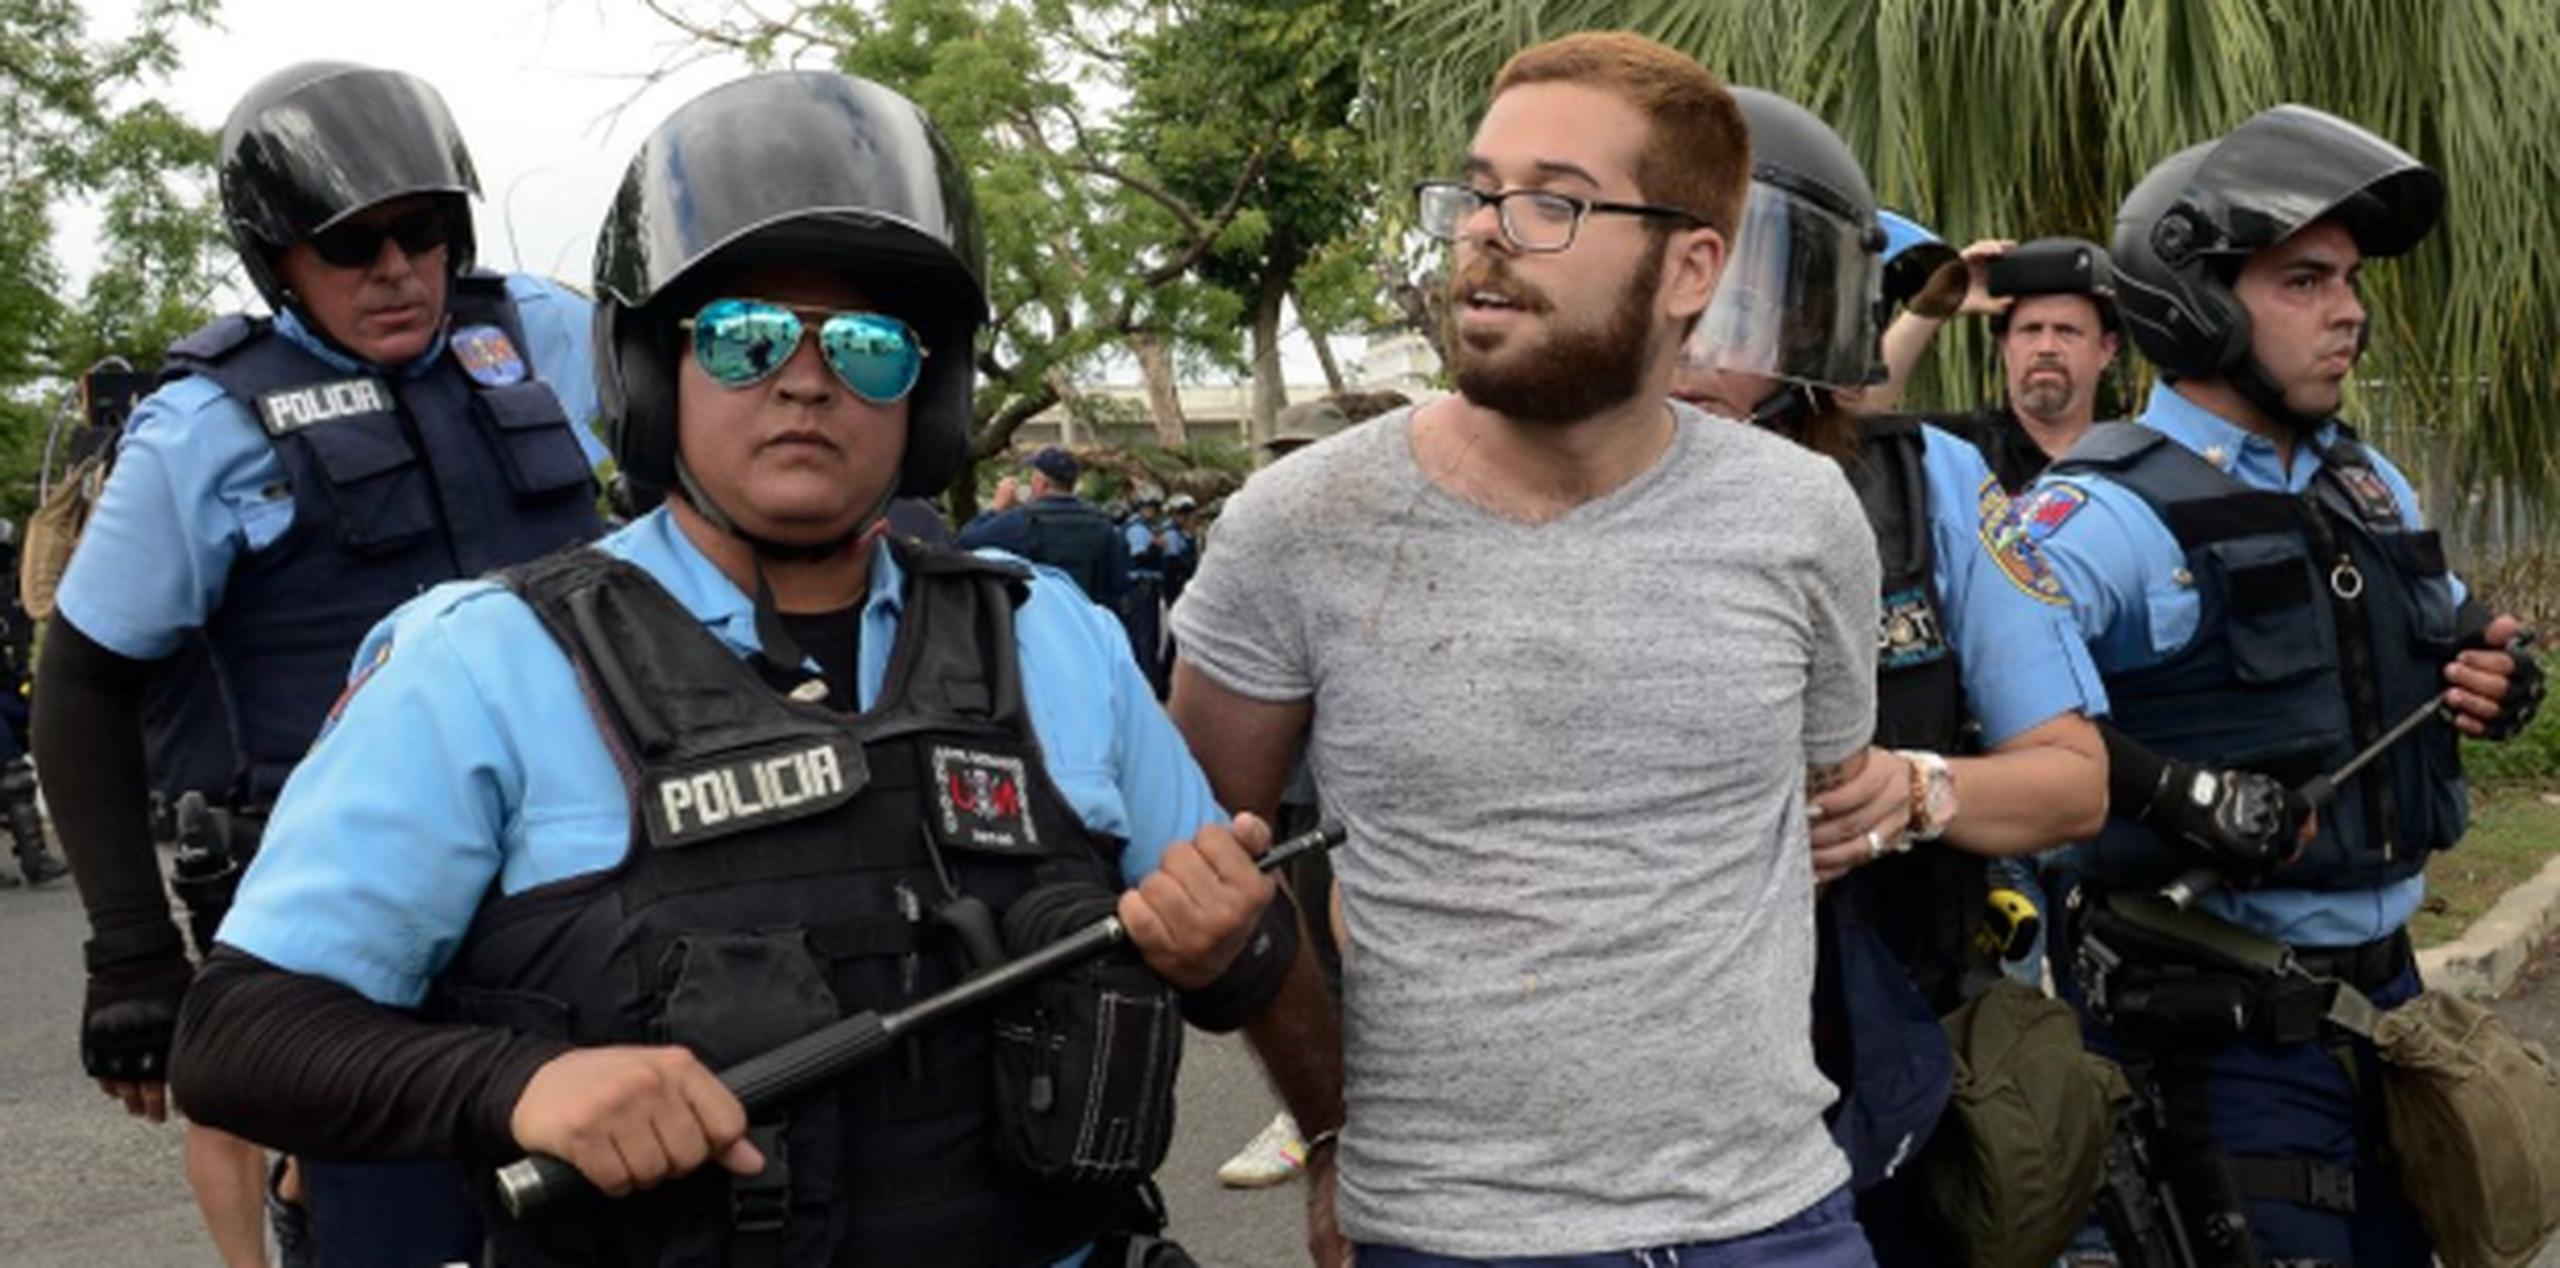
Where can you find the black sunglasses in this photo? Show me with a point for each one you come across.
(353, 246)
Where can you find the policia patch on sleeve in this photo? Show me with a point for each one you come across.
(295, 408)
(770, 784)
(2012, 539)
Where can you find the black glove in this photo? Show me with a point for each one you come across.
(130, 1015)
(2525, 689)
(2246, 825)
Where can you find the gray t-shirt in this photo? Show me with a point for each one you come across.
(1571, 756)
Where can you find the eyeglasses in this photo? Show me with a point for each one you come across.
(739, 342)
(353, 246)
(1532, 219)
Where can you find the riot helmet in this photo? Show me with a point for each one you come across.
(1800, 292)
(2186, 229)
(2056, 266)
(1912, 255)
(800, 169)
(317, 142)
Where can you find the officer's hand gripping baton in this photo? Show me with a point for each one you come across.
(2323, 789)
(528, 1184)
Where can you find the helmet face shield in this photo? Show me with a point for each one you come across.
(1798, 297)
(2292, 165)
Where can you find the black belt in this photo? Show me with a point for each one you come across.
(2366, 966)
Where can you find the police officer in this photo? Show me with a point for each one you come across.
(1985, 742)
(298, 477)
(17, 774)
(2263, 598)
(807, 738)
(1142, 612)
(1042, 520)
(2056, 326)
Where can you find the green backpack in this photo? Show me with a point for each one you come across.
(2016, 1162)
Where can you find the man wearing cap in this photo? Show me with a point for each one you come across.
(1042, 520)
(398, 421)
(2264, 600)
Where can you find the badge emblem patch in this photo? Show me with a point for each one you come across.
(2012, 539)
(1908, 633)
(488, 356)
(983, 801)
(2371, 495)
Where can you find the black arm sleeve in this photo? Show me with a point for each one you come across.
(302, 1064)
(2134, 775)
(88, 744)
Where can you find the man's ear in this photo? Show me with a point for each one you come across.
(2111, 343)
(1690, 275)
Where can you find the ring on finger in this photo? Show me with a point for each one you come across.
(1875, 846)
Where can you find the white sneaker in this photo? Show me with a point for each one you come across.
(1274, 1157)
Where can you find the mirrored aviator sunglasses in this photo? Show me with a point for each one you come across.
(353, 246)
(740, 342)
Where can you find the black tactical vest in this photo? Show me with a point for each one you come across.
(1925, 904)
(785, 866)
(398, 482)
(2323, 619)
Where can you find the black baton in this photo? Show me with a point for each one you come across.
(530, 1183)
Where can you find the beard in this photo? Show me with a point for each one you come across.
(1576, 372)
(2044, 398)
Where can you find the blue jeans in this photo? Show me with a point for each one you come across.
(1824, 1235)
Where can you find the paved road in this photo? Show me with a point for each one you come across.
(82, 1186)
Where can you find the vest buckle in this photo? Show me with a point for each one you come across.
(2345, 581)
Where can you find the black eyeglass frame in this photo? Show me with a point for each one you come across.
(1500, 200)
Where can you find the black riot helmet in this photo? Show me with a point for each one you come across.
(803, 169)
(2056, 266)
(317, 142)
(1802, 297)
(1802, 287)
(2186, 229)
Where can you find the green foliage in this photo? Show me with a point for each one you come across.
(2018, 118)
(66, 134)
(2533, 757)
(1140, 166)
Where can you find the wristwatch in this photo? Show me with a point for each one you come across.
(1933, 794)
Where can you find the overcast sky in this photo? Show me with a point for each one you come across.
(549, 94)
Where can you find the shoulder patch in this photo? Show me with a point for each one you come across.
(355, 682)
(295, 408)
(2012, 538)
(488, 356)
(1991, 502)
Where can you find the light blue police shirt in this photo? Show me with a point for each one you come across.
(1140, 539)
(2121, 567)
(465, 755)
(197, 484)
(2023, 663)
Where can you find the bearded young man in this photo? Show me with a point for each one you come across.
(1568, 713)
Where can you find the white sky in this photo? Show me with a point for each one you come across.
(548, 94)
